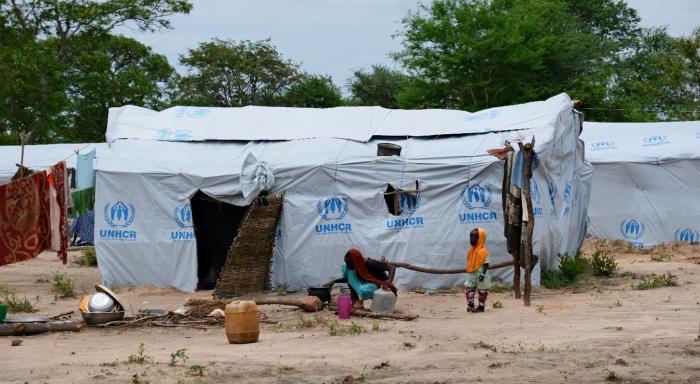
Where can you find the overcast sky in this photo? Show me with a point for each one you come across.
(334, 37)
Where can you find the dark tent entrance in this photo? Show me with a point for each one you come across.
(215, 226)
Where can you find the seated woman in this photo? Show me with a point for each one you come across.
(364, 276)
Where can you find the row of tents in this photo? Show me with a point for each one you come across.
(172, 186)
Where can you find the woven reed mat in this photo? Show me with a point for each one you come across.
(247, 267)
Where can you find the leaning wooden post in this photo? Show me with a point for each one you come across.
(527, 240)
(21, 158)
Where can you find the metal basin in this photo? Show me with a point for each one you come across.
(94, 318)
(100, 302)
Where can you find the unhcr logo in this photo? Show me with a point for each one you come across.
(479, 198)
(687, 235)
(535, 196)
(653, 141)
(170, 135)
(332, 209)
(552, 188)
(632, 230)
(183, 218)
(118, 215)
(408, 204)
(603, 146)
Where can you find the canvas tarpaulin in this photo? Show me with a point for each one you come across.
(333, 190)
(646, 181)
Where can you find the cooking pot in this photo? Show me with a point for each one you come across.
(322, 293)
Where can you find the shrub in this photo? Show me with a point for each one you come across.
(603, 264)
(63, 286)
(572, 267)
(88, 258)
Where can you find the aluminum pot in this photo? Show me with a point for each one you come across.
(101, 302)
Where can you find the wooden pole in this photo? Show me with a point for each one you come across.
(527, 240)
(21, 158)
(438, 271)
(516, 275)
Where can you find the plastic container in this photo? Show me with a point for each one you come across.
(242, 322)
(383, 300)
(3, 312)
(344, 304)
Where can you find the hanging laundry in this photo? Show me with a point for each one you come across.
(518, 176)
(85, 173)
(58, 209)
(24, 218)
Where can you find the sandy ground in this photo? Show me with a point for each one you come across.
(577, 334)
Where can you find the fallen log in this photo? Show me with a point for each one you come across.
(378, 315)
(438, 271)
(307, 303)
(18, 329)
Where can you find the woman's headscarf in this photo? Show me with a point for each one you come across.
(478, 253)
(357, 262)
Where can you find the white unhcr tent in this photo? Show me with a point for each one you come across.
(325, 163)
(646, 182)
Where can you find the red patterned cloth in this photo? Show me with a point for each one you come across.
(25, 215)
(24, 218)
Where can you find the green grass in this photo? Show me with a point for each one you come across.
(305, 322)
(63, 286)
(140, 357)
(196, 370)
(178, 355)
(88, 258)
(658, 281)
(17, 305)
(355, 328)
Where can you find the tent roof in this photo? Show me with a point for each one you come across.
(641, 142)
(351, 123)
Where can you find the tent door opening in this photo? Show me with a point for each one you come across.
(215, 226)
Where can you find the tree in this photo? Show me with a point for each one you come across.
(378, 86)
(478, 54)
(39, 42)
(689, 50)
(313, 92)
(226, 73)
(110, 71)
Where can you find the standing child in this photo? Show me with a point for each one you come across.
(477, 270)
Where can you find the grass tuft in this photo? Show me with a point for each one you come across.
(658, 281)
(63, 286)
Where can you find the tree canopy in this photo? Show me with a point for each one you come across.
(63, 65)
